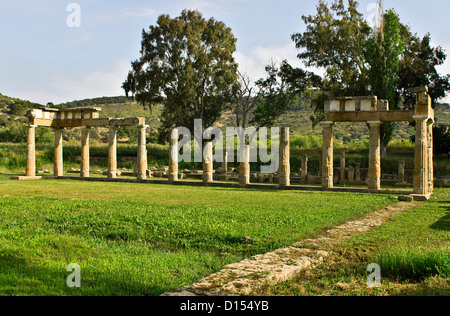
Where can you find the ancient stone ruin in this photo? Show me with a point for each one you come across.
(367, 110)
(85, 118)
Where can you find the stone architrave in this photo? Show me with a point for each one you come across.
(84, 167)
(208, 163)
(31, 151)
(327, 155)
(284, 169)
(420, 159)
(142, 153)
(374, 176)
(58, 164)
(244, 168)
(173, 157)
(304, 174)
(112, 153)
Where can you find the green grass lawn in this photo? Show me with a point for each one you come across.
(412, 250)
(145, 239)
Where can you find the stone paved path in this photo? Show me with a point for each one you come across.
(245, 277)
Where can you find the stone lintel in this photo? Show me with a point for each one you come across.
(366, 116)
(92, 122)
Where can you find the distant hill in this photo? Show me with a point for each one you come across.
(297, 119)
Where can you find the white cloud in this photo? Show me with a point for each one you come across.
(98, 83)
(253, 63)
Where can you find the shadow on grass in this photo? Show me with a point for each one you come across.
(443, 223)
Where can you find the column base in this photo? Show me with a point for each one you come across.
(421, 197)
(22, 178)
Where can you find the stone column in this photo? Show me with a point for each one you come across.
(320, 162)
(244, 168)
(343, 166)
(85, 131)
(142, 153)
(284, 169)
(357, 172)
(327, 155)
(374, 157)
(31, 151)
(208, 163)
(420, 157)
(401, 172)
(304, 167)
(225, 163)
(374, 176)
(430, 157)
(351, 175)
(112, 153)
(58, 163)
(173, 157)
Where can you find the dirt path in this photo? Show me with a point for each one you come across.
(247, 276)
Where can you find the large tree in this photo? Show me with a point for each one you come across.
(357, 62)
(187, 65)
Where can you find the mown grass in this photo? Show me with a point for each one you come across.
(412, 250)
(141, 239)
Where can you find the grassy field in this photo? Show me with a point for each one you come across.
(412, 250)
(141, 239)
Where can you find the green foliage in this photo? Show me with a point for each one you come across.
(441, 139)
(95, 101)
(335, 39)
(306, 142)
(187, 64)
(275, 98)
(339, 40)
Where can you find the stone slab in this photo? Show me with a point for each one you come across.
(23, 178)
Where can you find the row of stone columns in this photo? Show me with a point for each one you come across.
(374, 176)
(423, 170)
(244, 166)
(84, 164)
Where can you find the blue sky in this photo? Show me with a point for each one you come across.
(43, 60)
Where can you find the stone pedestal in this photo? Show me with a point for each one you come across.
(84, 167)
(284, 169)
(142, 153)
(112, 153)
(374, 176)
(208, 163)
(58, 163)
(327, 155)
